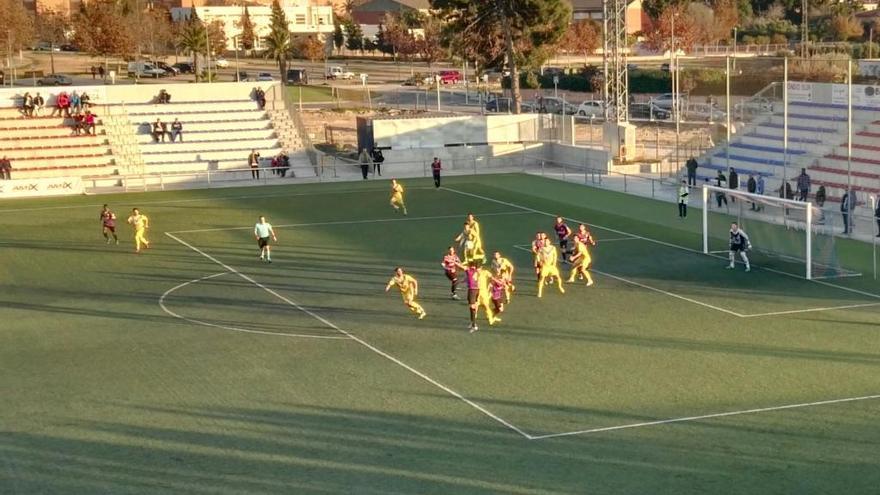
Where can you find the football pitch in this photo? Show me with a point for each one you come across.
(195, 368)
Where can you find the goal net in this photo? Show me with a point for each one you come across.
(793, 237)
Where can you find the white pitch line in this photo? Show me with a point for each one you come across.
(661, 291)
(705, 416)
(197, 200)
(617, 239)
(656, 241)
(352, 222)
(357, 339)
(225, 327)
(811, 310)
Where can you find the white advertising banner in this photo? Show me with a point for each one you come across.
(862, 95)
(56, 186)
(800, 91)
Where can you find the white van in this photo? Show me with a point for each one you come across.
(337, 72)
(145, 69)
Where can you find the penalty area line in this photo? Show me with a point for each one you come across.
(355, 222)
(359, 340)
(170, 291)
(705, 416)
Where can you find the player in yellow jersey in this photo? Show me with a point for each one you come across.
(409, 289)
(504, 268)
(140, 223)
(581, 261)
(484, 300)
(397, 196)
(549, 269)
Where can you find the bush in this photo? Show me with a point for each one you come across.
(779, 39)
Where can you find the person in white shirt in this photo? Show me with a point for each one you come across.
(263, 231)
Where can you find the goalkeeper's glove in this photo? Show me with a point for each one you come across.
(749, 246)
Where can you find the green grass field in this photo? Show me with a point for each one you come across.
(194, 368)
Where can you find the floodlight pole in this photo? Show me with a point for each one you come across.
(705, 220)
(784, 125)
(849, 127)
(727, 91)
(809, 230)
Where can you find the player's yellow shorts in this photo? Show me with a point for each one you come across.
(397, 198)
(549, 271)
(408, 297)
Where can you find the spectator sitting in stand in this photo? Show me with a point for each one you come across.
(75, 102)
(62, 105)
(260, 96)
(158, 131)
(164, 96)
(27, 105)
(89, 123)
(821, 196)
(176, 130)
(285, 164)
(78, 123)
(275, 164)
(39, 103)
(85, 101)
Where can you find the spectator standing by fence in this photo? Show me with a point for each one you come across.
(803, 185)
(734, 183)
(101, 71)
(877, 215)
(821, 196)
(436, 167)
(364, 159)
(378, 158)
(847, 207)
(691, 165)
(683, 200)
(752, 187)
(720, 182)
(254, 164)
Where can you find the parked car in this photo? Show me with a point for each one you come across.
(242, 76)
(552, 71)
(221, 62)
(449, 76)
(591, 108)
(69, 47)
(648, 111)
(265, 76)
(665, 100)
(45, 46)
(54, 80)
(502, 104)
(297, 76)
(703, 111)
(552, 104)
(183, 67)
(169, 69)
(337, 72)
(145, 69)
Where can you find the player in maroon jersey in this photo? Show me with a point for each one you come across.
(585, 236)
(451, 264)
(108, 224)
(563, 232)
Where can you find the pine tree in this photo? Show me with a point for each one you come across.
(338, 35)
(247, 37)
(277, 42)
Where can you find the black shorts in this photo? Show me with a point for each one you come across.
(451, 275)
(497, 304)
(263, 242)
(473, 295)
(563, 244)
(737, 247)
(110, 228)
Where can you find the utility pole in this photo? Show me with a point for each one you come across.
(805, 28)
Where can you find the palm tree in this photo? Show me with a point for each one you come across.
(193, 39)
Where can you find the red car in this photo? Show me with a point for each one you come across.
(450, 77)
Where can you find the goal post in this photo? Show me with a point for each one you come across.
(787, 235)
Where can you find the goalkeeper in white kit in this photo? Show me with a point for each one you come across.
(739, 243)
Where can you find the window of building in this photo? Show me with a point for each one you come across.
(299, 19)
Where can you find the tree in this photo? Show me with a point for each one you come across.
(529, 29)
(354, 36)
(18, 25)
(247, 38)
(655, 8)
(193, 40)
(846, 28)
(727, 16)
(430, 44)
(338, 35)
(369, 45)
(661, 31)
(103, 30)
(216, 37)
(52, 28)
(309, 48)
(278, 41)
(582, 37)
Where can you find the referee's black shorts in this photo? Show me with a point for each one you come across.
(263, 242)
